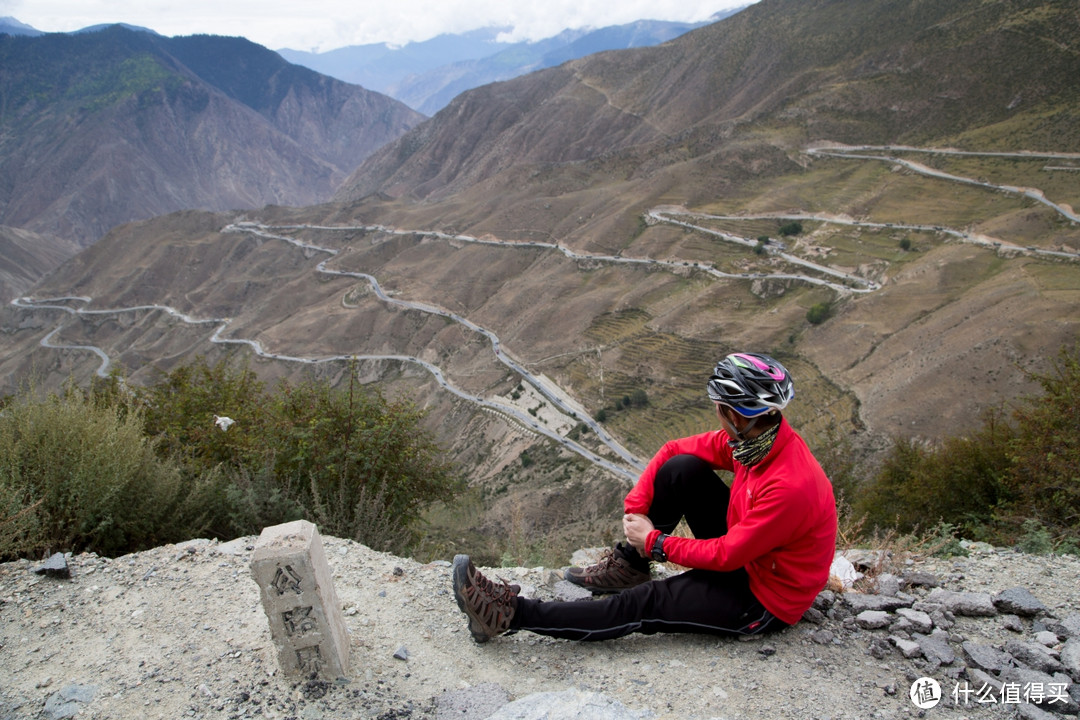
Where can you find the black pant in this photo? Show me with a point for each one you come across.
(699, 601)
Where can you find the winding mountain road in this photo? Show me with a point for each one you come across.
(839, 281)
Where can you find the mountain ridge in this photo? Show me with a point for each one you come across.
(116, 117)
(754, 73)
(427, 75)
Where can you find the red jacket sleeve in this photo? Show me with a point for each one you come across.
(711, 447)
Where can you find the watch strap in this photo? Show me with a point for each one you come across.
(658, 553)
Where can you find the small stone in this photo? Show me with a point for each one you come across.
(888, 584)
(838, 612)
(921, 579)
(1047, 638)
(906, 647)
(767, 650)
(942, 619)
(935, 647)
(1070, 658)
(879, 649)
(1035, 656)
(1012, 623)
(860, 602)
(1027, 711)
(1071, 624)
(824, 600)
(872, 619)
(903, 625)
(922, 621)
(986, 657)
(567, 591)
(980, 680)
(822, 637)
(56, 566)
(1018, 601)
(972, 604)
(813, 615)
(402, 653)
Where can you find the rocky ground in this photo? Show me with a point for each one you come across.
(179, 632)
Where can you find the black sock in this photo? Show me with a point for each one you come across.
(628, 553)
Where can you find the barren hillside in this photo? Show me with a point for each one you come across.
(616, 224)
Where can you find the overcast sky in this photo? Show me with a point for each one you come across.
(321, 25)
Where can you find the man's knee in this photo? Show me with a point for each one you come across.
(682, 467)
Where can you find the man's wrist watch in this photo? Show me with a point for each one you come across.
(658, 553)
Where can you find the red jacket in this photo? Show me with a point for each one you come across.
(781, 520)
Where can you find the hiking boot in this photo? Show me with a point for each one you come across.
(611, 574)
(488, 605)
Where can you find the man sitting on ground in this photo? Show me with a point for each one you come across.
(760, 551)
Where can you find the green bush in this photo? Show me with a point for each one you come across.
(353, 456)
(350, 461)
(116, 471)
(78, 475)
(791, 228)
(960, 482)
(1044, 475)
(180, 409)
(18, 521)
(1008, 482)
(819, 313)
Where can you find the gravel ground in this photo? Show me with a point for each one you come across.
(179, 632)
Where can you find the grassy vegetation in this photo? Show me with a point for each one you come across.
(1014, 480)
(115, 471)
(131, 77)
(104, 75)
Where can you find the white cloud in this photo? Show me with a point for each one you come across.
(326, 24)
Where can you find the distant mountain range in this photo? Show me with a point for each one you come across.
(100, 128)
(113, 123)
(11, 26)
(427, 75)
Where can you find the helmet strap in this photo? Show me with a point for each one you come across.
(741, 434)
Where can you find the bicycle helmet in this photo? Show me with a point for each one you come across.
(751, 384)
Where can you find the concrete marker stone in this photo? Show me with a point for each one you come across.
(297, 589)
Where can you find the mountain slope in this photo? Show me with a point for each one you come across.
(431, 91)
(818, 69)
(604, 221)
(106, 127)
(25, 257)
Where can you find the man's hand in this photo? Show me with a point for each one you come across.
(637, 528)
